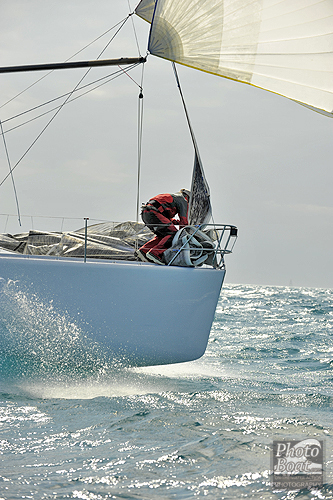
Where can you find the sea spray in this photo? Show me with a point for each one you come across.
(199, 429)
(37, 341)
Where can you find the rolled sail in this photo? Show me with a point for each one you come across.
(200, 210)
(283, 46)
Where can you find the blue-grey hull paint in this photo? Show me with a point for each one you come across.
(144, 313)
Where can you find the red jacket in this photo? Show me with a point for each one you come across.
(170, 205)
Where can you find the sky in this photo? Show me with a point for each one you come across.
(268, 160)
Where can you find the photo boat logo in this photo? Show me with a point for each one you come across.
(297, 465)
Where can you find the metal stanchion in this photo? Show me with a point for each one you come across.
(85, 238)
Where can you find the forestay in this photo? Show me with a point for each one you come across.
(284, 46)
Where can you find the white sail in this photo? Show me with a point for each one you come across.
(145, 9)
(284, 46)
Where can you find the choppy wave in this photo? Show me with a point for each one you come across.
(75, 425)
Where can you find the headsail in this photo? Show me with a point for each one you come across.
(200, 210)
(284, 46)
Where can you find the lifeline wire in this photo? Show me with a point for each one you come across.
(11, 174)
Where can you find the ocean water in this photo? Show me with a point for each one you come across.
(74, 425)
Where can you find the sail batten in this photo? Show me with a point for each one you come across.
(283, 46)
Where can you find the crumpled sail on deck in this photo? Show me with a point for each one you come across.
(104, 241)
(283, 46)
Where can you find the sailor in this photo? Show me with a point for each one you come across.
(158, 214)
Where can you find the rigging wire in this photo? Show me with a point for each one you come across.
(111, 77)
(134, 30)
(63, 104)
(35, 140)
(11, 174)
(196, 149)
(140, 131)
(125, 71)
(59, 97)
(112, 38)
(185, 109)
(76, 53)
(140, 121)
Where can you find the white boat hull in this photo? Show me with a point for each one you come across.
(140, 313)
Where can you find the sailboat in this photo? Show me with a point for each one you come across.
(282, 47)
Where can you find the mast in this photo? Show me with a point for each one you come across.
(74, 64)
